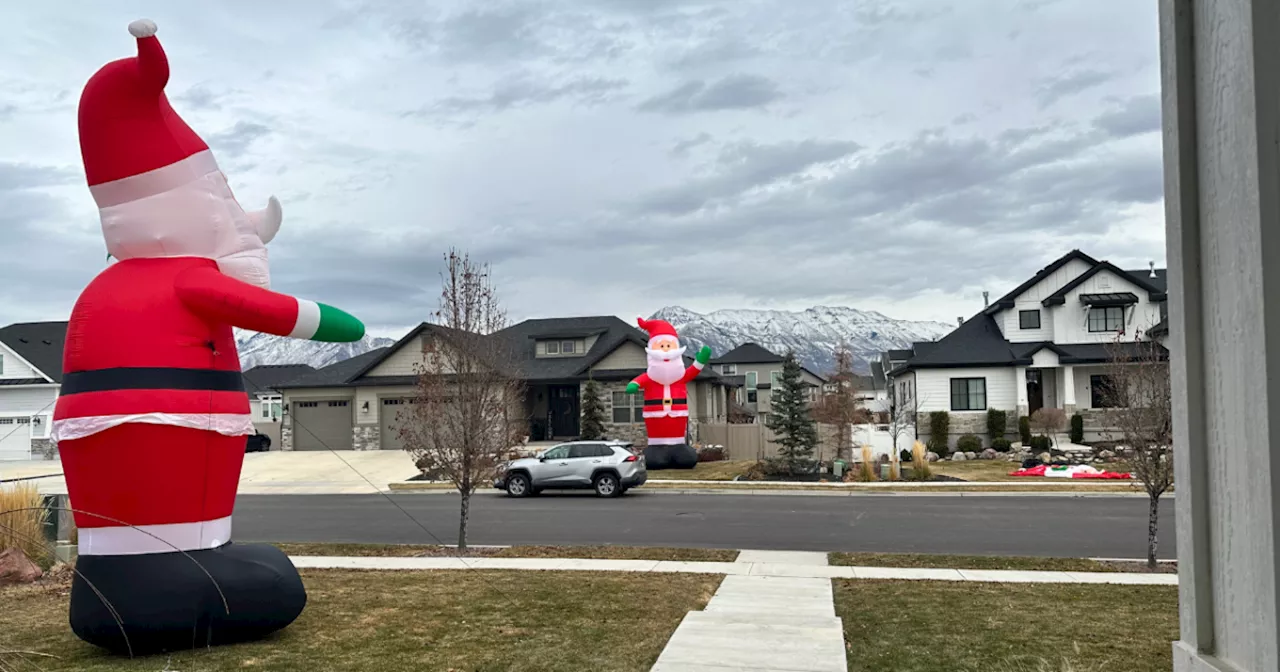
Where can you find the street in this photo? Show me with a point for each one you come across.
(1037, 526)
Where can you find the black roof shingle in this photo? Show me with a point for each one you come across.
(40, 343)
(266, 377)
(748, 353)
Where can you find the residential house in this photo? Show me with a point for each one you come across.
(265, 401)
(1044, 344)
(757, 371)
(30, 375)
(354, 404)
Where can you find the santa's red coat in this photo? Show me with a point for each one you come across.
(666, 407)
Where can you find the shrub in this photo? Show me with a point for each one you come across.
(866, 467)
(1077, 428)
(22, 520)
(997, 423)
(711, 454)
(1024, 430)
(1041, 443)
(920, 470)
(939, 430)
(969, 444)
(1001, 445)
(904, 455)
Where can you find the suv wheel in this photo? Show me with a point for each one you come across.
(518, 485)
(607, 485)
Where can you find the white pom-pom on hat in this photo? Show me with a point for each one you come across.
(142, 28)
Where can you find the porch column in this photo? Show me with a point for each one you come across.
(1220, 75)
(1020, 382)
(1068, 374)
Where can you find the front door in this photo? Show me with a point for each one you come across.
(564, 410)
(1035, 391)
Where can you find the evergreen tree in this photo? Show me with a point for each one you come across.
(797, 434)
(592, 413)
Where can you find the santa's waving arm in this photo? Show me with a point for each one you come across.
(638, 383)
(699, 363)
(221, 298)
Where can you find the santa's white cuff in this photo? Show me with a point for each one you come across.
(308, 319)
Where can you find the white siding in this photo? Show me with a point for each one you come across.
(11, 366)
(933, 388)
(625, 356)
(373, 396)
(402, 362)
(1071, 320)
(1084, 393)
(27, 400)
(1011, 324)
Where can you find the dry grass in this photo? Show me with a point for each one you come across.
(724, 470)
(22, 522)
(920, 469)
(938, 626)
(392, 621)
(932, 561)
(589, 552)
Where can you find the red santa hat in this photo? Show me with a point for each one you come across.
(128, 129)
(658, 329)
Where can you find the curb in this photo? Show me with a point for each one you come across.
(645, 492)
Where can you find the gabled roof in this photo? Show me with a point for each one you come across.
(338, 374)
(877, 375)
(977, 342)
(1060, 297)
(748, 353)
(899, 355)
(1160, 281)
(40, 344)
(1005, 302)
(265, 378)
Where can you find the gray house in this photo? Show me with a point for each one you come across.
(759, 370)
(354, 404)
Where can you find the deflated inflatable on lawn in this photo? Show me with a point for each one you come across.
(666, 402)
(152, 419)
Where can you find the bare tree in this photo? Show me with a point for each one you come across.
(902, 419)
(1049, 421)
(840, 408)
(468, 407)
(1139, 413)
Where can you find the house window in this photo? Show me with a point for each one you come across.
(729, 369)
(566, 348)
(1028, 319)
(775, 377)
(1102, 392)
(1, 365)
(627, 408)
(751, 380)
(1106, 318)
(968, 394)
(553, 347)
(751, 396)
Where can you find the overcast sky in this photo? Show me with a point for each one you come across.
(616, 156)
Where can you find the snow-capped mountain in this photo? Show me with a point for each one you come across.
(257, 349)
(813, 334)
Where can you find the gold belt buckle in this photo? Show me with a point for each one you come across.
(667, 402)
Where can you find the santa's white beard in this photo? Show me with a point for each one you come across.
(666, 368)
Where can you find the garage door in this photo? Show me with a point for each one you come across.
(322, 425)
(391, 414)
(15, 438)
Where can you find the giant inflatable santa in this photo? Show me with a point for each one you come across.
(666, 402)
(152, 418)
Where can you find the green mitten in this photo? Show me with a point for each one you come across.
(704, 355)
(633, 387)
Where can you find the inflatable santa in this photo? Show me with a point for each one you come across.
(152, 418)
(666, 402)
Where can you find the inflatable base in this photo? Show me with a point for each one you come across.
(165, 602)
(680, 456)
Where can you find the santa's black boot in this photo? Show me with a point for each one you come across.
(178, 601)
(657, 457)
(682, 456)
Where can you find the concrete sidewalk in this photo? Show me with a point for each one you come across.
(749, 564)
(762, 623)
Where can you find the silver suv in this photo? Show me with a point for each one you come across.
(608, 467)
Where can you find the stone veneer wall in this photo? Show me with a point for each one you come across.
(366, 437)
(633, 432)
(286, 432)
(967, 422)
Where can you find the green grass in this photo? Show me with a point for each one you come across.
(589, 552)
(927, 560)
(938, 626)
(723, 470)
(394, 621)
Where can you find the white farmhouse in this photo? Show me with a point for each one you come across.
(30, 375)
(1044, 344)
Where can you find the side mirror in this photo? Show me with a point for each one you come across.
(542, 458)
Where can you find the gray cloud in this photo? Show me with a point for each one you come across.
(1135, 116)
(525, 89)
(234, 142)
(1061, 86)
(199, 97)
(684, 146)
(735, 92)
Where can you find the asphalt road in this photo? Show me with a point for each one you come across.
(1038, 526)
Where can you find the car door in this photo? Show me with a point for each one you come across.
(583, 460)
(553, 468)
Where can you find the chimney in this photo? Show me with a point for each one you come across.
(960, 321)
(1153, 269)
(986, 300)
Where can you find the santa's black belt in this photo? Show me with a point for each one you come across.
(152, 378)
(659, 402)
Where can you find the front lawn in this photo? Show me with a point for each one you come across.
(724, 470)
(587, 552)
(938, 626)
(390, 621)
(930, 561)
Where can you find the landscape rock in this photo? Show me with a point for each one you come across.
(1045, 457)
(989, 454)
(1107, 454)
(16, 567)
(931, 456)
(959, 457)
(971, 455)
